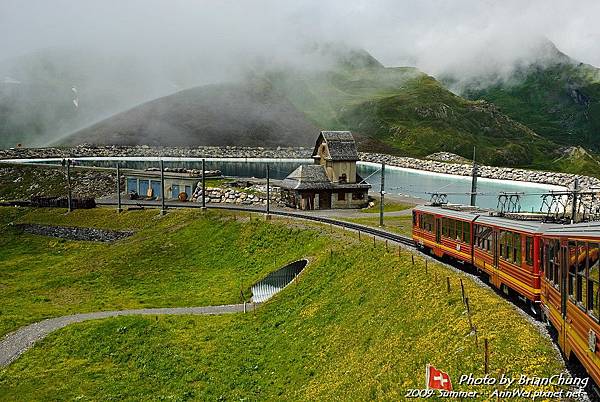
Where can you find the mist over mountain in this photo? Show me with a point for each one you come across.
(263, 71)
(556, 96)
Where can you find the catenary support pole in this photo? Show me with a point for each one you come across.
(574, 206)
(382, 192)
(474, 182)
(119, 209)
(203, 184)
(163, 208)
(268, 193)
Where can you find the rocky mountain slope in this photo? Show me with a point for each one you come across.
(245, 114)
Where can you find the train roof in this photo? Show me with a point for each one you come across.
(512, 224)
(480, 216)
(584, 229)
(452, 213)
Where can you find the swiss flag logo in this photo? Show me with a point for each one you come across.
(437, 379)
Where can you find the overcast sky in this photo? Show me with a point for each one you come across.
(434, 35)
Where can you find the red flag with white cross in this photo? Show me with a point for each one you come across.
(437, 379)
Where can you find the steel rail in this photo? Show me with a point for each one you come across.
(397, 238)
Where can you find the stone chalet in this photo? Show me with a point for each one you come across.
(332, 181)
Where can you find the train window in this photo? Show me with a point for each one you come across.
(466, 232)
(426, 222)
(582, 281)
(506, 241)
(517, 248)
(572, 273)
(529, 250)
(553, 262)
(451, 228)
(414, 218)
(556, 264)
(547, 265)
(593, 279)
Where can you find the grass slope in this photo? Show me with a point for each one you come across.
(361, 323)
(183, 259)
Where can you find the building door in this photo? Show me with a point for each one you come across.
(175, 190)
(324, 200)
(155, 189)
(132, 185)
(144, 186)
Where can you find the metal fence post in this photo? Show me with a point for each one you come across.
(381, 194)
(70, 195)
(163, 208)
(119, 209)
(268, 193)
(203, 184)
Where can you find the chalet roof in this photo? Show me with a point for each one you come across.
(307, 177)
(341, 145)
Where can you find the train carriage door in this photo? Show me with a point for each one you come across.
(495, 247)
(438, 230)
(563, 272)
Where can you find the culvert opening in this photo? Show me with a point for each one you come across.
(276, 281)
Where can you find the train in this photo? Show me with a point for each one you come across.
(552, 267)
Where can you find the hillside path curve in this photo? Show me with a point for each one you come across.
(16, 343)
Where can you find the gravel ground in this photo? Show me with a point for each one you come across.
(16, 343)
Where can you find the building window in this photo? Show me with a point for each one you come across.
(342, 178)
(357, 195)
(341, 196)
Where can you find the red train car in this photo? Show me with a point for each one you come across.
(505, 250)
(570, 287)
(555, 267)
(444, 231)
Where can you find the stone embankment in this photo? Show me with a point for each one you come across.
(255, 195)
(492, 172)
(463, 169)
(153, 151)
(74, 233)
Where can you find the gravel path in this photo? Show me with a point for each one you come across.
(16, 343)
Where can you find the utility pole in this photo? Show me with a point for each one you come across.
(268, 193)
(67, 162)
(163, 209)
(119, 209)
(474, 181)
(203, 185)
(382, 192)
(574, 206)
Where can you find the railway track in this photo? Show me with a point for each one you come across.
(404, 240)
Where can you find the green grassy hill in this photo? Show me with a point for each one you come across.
(361, 323)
